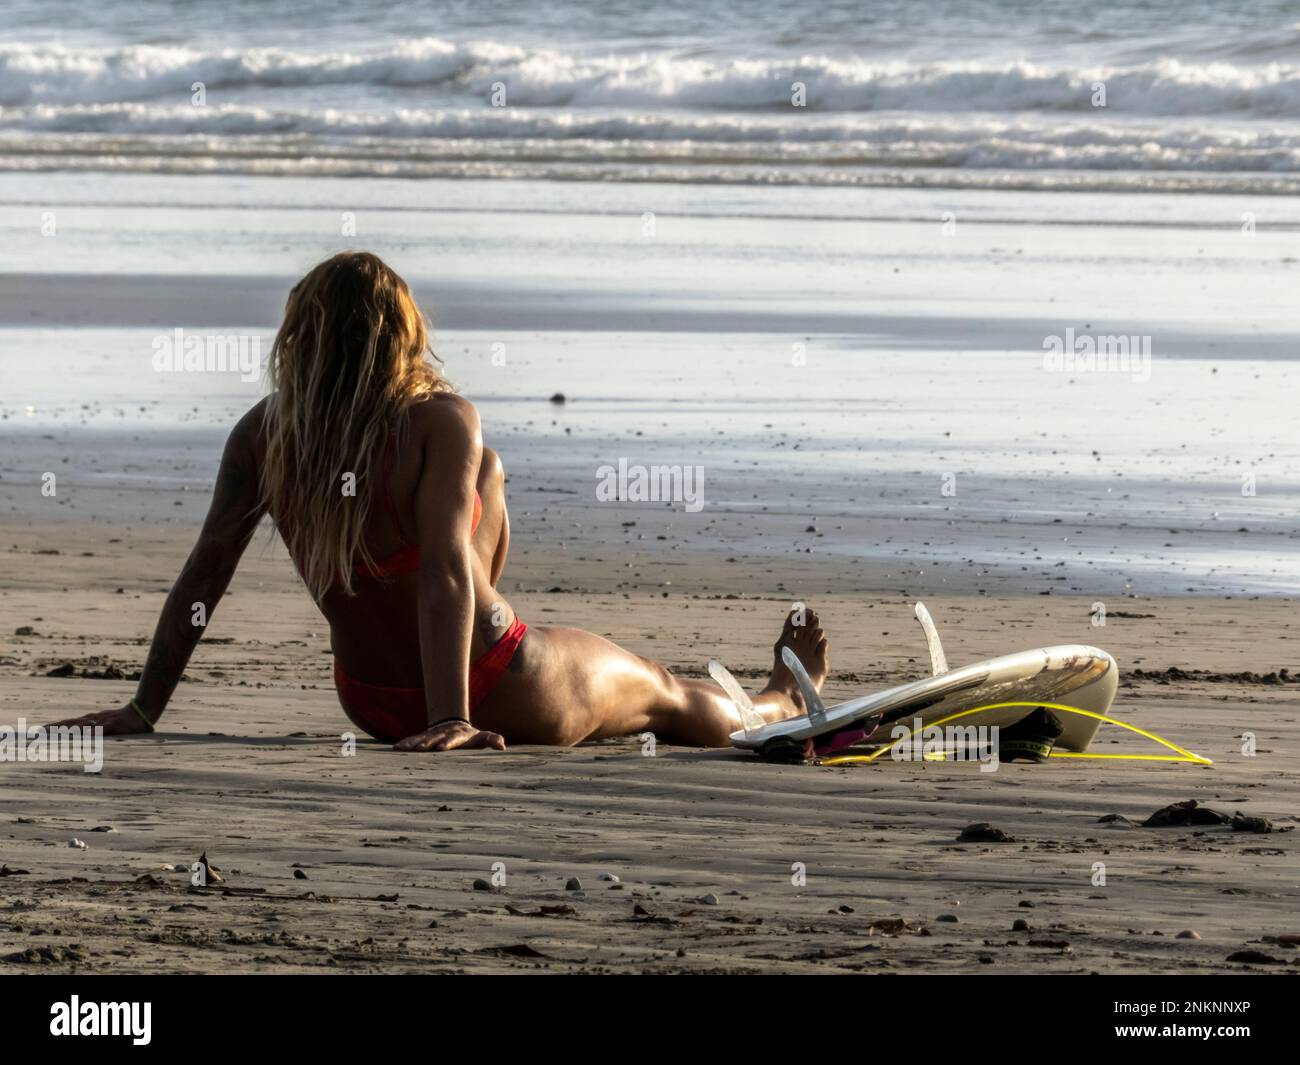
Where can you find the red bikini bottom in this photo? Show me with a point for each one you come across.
(392, 714)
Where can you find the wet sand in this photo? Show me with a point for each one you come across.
(247, 767)
(826, 358)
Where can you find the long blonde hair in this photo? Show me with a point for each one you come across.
(352, 353)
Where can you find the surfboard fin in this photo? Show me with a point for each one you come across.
(938, 661)
(811, 700)
(750, 719)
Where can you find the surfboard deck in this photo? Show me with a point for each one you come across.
(1069, 674)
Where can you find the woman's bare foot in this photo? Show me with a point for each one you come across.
(809, 644)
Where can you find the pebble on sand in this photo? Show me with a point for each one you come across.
(1188, 812)
(78, 844)
(573, 884)
(211, 874)
(1246, 823)
(1255, 957)
(983, 832)
(482, 885)
(1188, 933)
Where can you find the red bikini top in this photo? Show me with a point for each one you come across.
(406, 559)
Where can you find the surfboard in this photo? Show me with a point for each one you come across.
(1075, 675)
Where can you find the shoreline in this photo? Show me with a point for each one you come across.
(85, 574)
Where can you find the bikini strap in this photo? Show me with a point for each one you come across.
(388, 495)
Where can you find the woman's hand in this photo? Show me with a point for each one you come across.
(450, 735)
(122, 722)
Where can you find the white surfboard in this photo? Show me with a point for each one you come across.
(1073, 675)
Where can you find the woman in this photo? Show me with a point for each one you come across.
(394, 512)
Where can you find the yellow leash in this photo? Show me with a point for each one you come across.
(1182, 755)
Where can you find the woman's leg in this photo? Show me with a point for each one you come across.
(568, 685)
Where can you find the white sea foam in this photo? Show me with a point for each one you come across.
(537, 77)
(1225, 117)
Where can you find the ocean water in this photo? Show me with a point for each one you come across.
(1001, 93)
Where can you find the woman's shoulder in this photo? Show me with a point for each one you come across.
(250, 431)
(443, 412)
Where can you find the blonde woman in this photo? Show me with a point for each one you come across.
(428, 654)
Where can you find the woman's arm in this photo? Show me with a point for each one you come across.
(230, 523)
(444, 513)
